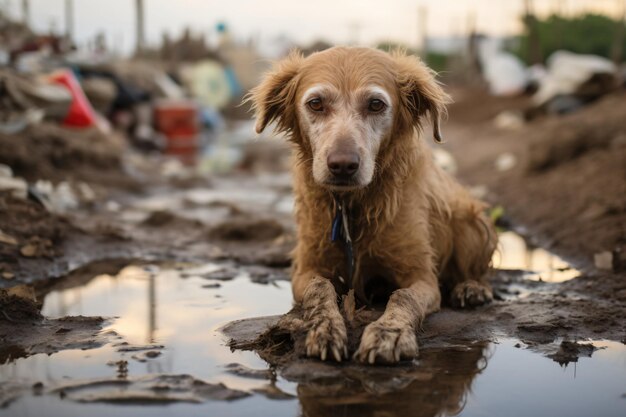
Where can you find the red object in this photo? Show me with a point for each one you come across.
(178, 121)
(80, 114)
(176, 117)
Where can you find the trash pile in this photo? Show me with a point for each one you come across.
(567, 82)
(172, 102)
(82, 129)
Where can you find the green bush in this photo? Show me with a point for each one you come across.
(584, 34)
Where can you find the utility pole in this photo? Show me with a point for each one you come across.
(26, 12)
(422, 31)
(534, 45)
(617, 49)
(69, 19)
(140, 27)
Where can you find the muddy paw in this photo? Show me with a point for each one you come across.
(387, 343)
(471, 294)
(327, 337)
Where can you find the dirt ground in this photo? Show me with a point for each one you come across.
(48, 152)
(568, 185)
(566, 190)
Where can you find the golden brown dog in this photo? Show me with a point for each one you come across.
(354, 116)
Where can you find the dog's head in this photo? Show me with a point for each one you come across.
(343, 105)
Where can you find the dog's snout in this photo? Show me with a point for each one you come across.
(343, 164)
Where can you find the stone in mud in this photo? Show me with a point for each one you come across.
(272, 392)
(7, 239)
(138, 348)
(145, 356)
(38, 247)
(8, 276)
(243, 371)
(159, 218)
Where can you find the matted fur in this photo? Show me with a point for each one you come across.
(415, 229)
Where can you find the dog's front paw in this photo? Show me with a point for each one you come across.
(471, 294)
(327, 337)
(386, 342)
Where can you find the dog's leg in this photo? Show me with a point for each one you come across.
(393, 336)
(327, 336)
(475, 240)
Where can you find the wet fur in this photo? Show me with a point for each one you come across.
(415, 228)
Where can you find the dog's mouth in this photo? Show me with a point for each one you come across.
(342, 185)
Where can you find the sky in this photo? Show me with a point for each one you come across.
(303, 21)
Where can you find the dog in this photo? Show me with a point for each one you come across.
(373, 211)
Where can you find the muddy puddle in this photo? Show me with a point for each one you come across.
(167, 356)
(516, 253)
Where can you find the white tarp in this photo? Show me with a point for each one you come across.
(503, 71)
(567, 71)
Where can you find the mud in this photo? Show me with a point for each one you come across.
(537, 314)
(567, 187)
(47, 151)
(24, 331)
(33, 231)
(167, 338)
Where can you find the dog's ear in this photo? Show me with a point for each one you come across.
(420, 93)
(273, 99)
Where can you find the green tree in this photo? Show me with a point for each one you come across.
(584, 34)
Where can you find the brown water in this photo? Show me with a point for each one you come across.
(179, 308)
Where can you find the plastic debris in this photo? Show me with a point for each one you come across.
(80, 114)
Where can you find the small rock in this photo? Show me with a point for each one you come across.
(509, 120)
(603, 260)
(211, 286)
(479, 191)
(505, 161)
(29, 250)
(8, 275)
(5, 171)
(38, 388)
(445, 160)
(17, 186)
(7, 239)
(113, 206)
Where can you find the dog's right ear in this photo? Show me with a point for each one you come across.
(274, 98)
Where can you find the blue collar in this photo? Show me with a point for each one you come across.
(340, 231)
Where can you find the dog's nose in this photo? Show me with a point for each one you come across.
(343, 165)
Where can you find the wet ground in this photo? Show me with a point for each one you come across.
(166, 347)
(167, 301)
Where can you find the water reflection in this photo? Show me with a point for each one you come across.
(439, 385)
(516, 253)
(170, 307)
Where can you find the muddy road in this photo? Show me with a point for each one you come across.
(170, 287)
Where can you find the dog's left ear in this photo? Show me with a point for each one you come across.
(273, 99)
(420, 93)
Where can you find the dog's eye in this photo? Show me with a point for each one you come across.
(316, 105)
(376, 106)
